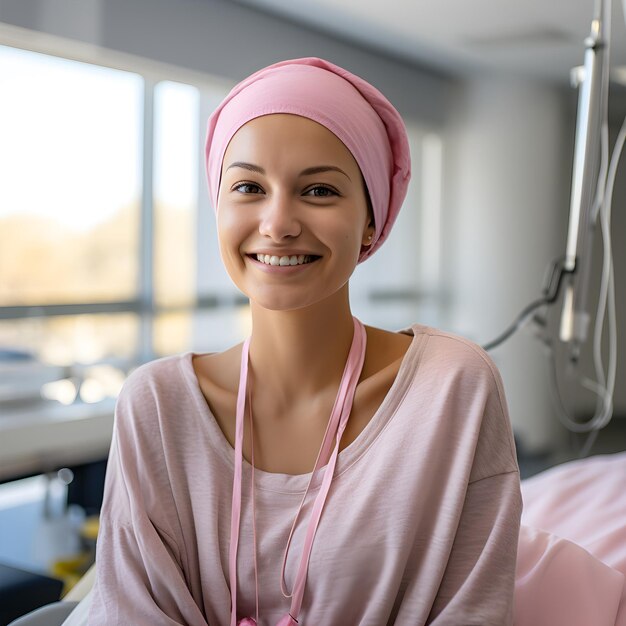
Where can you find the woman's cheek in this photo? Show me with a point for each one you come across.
(229, 241)
(231, 226)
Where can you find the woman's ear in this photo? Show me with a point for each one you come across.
(368, 235)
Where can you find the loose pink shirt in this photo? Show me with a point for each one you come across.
(420, 526)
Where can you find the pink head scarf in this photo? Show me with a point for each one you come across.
(355, 111)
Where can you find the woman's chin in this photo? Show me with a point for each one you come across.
(281, 305)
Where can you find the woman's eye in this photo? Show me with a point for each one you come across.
(246, 188)
(322, 191)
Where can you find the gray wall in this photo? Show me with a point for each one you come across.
(225, 39)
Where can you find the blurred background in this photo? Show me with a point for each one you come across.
(108, 253)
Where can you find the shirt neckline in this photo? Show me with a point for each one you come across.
(297, 483)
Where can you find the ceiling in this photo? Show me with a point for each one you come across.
(535, 38)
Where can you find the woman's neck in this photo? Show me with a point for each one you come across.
(299, 353)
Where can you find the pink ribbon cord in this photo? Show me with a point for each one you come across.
(236, 503)
(335, 428)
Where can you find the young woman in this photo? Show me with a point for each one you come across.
(322, 473)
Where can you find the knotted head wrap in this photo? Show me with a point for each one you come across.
(355, 111)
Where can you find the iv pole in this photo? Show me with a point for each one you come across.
(576, 264)
(592, 177)
(592, 103)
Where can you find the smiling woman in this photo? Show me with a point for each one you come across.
(380, 466)
(273, 212)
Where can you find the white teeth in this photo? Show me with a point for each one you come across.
(299, 259)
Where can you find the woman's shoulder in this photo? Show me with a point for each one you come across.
(463, 381)
(155, 371)
(218, 370)
(153, 385)
(384, 348)
(451, 351)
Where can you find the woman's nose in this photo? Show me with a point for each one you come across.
(279, 219)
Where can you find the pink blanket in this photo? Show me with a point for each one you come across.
(571, 567)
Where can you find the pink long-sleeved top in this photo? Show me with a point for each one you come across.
(420, 526)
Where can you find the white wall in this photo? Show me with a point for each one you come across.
(506, 210)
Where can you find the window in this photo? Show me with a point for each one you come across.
(71, 170)
(70, 162)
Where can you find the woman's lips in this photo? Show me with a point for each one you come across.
(284, 259)
(283, 264)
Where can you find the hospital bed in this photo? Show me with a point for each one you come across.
(571, 567)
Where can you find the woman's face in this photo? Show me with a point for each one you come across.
(292, 212)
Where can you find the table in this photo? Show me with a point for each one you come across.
(46, 436)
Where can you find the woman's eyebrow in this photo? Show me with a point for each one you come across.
(318, 169)
(247, 166)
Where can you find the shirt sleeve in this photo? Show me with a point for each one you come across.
(478, 580)
(140, 575)
(478, 583)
